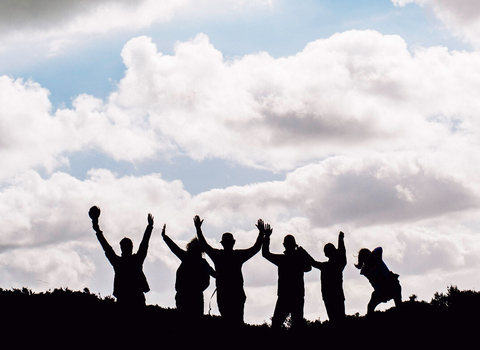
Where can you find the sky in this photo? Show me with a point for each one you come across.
(359, 116)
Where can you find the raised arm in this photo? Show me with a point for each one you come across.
(342, 253)
(201, 238)
(94, 213)
(254, 249)
(179, 252)
(273, 258)
(142, 250)
(103, 241)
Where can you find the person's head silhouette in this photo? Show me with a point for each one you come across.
(126, 245)
(363, 256)
(227, 241)
(329, 250)
(289, 243)
(194, 248)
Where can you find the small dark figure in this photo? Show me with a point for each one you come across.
(193, 277)
(291, 287)
(228, 265)
(130, 282)
(331, 277)
(384, 282)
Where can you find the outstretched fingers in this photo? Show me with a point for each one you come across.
(268, 230)
(260, 225)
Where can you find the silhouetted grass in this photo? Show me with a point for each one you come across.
(66, 318)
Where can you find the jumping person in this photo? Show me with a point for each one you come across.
(384, 282)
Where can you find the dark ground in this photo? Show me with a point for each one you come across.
(74, 319)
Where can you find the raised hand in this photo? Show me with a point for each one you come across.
(94, 213)
(150, 219)
(268, 230)
(261, 226)
(163, 230)
(197, 222)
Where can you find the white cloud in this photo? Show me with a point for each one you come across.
(461, 17)
(29, 133)
(48, 267)
(354, 191)
(33, 136)
(351, 93)
(405, 193)
(49, 27)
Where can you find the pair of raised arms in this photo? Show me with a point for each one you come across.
(264, 229)
(95, 211)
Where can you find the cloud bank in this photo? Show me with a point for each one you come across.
(355, 93)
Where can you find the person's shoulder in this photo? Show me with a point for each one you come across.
(214, 252)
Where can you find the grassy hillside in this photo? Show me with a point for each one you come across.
(66, 318)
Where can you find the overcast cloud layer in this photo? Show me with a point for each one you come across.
(375, 139)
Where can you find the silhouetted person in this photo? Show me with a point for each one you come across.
(384, 282)
(331, 277)
(228, 265)
(291, 287)
(130, 282)
(193, 277)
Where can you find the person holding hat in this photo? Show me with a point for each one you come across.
(130, 282)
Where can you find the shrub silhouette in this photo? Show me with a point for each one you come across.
(63, 317)
(457, 300)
